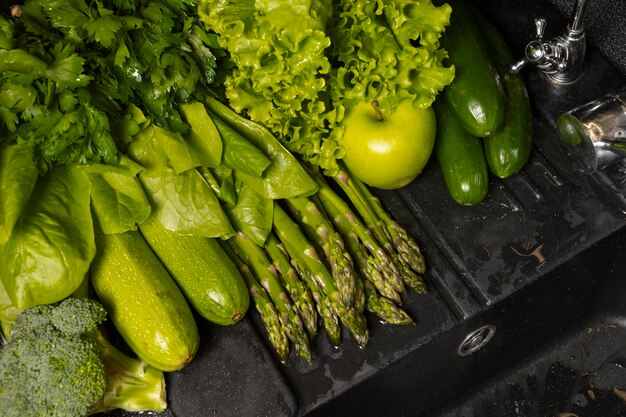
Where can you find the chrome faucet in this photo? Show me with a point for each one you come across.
(562, 57)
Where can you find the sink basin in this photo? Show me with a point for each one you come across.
(579, 367)
(525, 313)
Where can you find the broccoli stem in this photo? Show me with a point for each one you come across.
(132, 384)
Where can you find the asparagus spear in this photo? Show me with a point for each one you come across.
(302, 299)
(366, 265)
(383, 307)
(299, 248)
(267, 276)
(406, 246)
(265, 307)
(320, 230)
(347, 223)
(360, 299)
(322, 303)
(396, 241)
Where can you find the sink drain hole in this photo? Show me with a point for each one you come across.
(476, 340)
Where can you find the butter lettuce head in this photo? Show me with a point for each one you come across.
(52, 244)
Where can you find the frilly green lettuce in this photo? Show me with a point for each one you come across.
(300, 65)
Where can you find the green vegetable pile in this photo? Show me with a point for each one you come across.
(300, 66)
(117, 151)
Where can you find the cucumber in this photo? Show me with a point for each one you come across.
(461, 158)
(143, 302)
(476, 95)
(207, 276)
(508, 149)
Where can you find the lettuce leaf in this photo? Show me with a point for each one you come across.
(300, 66)
(18, 176)
(388, 51)
(118, 201)
(280, 66)
(52, 244)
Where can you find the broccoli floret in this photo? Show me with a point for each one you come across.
(57, 363)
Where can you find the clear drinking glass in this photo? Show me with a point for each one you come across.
(594, 134)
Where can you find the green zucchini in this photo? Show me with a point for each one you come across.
(461, 158)
(207, 276)
(142, 300)
(508, 149)
(476, 95)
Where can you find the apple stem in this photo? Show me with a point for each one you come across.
(379, 114)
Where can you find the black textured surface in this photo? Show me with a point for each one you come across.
(604, 26)
(581, 368)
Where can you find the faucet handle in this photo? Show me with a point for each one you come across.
(536, 51)
(540, 27)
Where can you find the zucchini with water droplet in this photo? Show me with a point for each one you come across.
(143, 301)
(209, 279)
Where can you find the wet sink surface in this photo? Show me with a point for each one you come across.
(579, 369)
(539, 261)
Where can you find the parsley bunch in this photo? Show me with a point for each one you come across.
(69, 67)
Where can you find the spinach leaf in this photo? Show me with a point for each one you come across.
(117, 198)
(185, 203)
(52, 244)
(239, 153)
(285, 177)
(203, 136)
(18, 175)
(222, 182)
(252, 214)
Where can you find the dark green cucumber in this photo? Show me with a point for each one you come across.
(476, 95)
(143, 301)
(461, 158)
(209, 279)
(508, 149)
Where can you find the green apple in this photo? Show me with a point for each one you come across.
(388, 151)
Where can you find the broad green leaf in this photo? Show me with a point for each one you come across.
(239, 153)
(146, 150)
(18, 175)
(118, 200)
(181, 155)
(285, 177)
(252, 214)
(203, 136)
(226, 179)
(222, 182)
(185, 203)
(52, 244)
